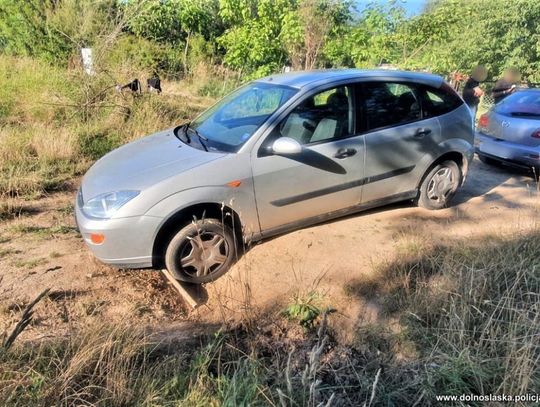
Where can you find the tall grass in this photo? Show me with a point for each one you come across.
(456, 319)
(54, 122)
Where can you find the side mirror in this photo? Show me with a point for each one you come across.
(286, 146)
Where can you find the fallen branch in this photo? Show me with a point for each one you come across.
(26, 318)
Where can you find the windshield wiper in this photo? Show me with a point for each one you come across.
(202, 139)
(183, 129)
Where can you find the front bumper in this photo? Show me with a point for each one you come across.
(128, 241)
(516, 155)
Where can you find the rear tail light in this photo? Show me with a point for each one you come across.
(483, 122)
(536, 133)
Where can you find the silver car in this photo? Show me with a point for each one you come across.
(279, 153)
(509, 133)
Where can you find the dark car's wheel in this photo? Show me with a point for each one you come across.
(439, 185)
(201, 251)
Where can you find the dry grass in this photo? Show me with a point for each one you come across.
(55, 123)
(467, 322)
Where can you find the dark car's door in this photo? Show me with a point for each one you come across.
(397, 137)
(325, 177)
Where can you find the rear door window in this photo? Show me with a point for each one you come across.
(438, 101)
(389, 104)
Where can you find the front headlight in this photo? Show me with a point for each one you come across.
(105, 205)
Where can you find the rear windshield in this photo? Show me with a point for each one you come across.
(520, 104)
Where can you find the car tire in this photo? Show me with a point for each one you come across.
(439, 185)
(201, 251)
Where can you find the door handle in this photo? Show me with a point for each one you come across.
(421, 132)
(345, 152)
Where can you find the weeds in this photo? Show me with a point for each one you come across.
(7, 252)
(43, 231)
(306, 309)
(30, 264)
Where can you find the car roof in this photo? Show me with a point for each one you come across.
(303, 79)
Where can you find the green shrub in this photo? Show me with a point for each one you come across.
(96, 145)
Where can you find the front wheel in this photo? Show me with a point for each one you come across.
(201, 251)
(439, 185)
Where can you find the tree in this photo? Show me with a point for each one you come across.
(307, 29)
(460, 34)
(24, 30)
(371, 40)
(252, 42)
(53, 30)
(173, 21)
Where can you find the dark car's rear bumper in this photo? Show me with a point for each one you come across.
(508, 153)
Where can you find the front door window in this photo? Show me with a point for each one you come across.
(326, 116)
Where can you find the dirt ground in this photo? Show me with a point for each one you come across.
(41, 249)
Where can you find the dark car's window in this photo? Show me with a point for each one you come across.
(232, 121)
(521, 104)
(389, 104)
(323, 117)
(438, 101)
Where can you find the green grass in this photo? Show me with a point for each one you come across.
(30, 263)
(42, 231)
(306, 308)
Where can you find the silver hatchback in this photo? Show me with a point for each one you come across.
(277, 154)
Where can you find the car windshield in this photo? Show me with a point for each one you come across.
(520, 104)
(233, 120)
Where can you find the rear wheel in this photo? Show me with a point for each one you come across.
(201, 252)
(440, 185)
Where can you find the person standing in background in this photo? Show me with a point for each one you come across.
(472, 91)
(506, 85)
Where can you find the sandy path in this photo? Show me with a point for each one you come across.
(332, 256)
(327, 258)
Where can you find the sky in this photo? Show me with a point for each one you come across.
(413, 7)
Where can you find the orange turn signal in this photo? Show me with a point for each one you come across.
(234, 184)
(97, 238)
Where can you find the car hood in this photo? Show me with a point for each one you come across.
(143, 163)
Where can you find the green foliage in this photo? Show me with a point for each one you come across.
(503, 34)
(306, 309)
(253, 44)
(450, 35)
(173, 23)
(170, 21)
(258, 37)
(53, 30)
(23, 32)
(95, 146)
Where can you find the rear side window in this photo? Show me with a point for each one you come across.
(438, 101)
(389, 104)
